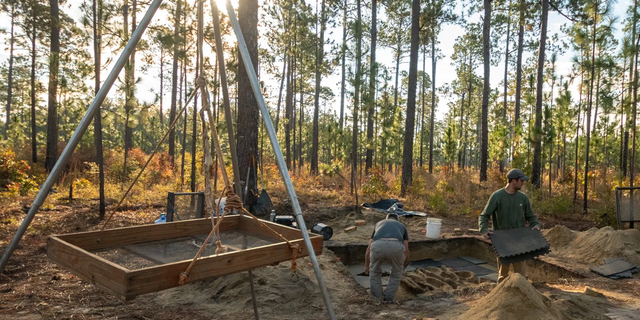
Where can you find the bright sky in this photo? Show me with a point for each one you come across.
(445, 71)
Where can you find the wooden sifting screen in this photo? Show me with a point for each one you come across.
(127, 262)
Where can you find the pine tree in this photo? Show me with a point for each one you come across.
(52, 110)
(407, 157)
(486, 39)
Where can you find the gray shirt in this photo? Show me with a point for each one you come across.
(390, 228)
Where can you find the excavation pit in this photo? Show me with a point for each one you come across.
(436, 266)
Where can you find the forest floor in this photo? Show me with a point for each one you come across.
(34, 288)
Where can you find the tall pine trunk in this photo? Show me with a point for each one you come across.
(632, 72)
(506, 65)
(622, 113)
(356, 103)
(10, 74)
(433, 101)
(486, 33)
(536, 179)
(174, 79)
(343, 55)
(463, 158)
(575, 174)
(183, 78)
(97, 124)
(462, 100)
(591, 80)
(597, 101)
(248, 114)
(424, 102)
(127, 95)
(551, 142)
(516, 116)
(632, 162)
(194, 130)
(34, 128)
(161, 85)
(407, 156)
(506, 73)
(300, 125)
(371, 99)
(287, 113)
(316, 109)
(52, 109)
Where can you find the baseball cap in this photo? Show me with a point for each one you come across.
(517, 174)
(392, 215)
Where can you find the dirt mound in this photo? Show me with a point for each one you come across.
(514, 298)
(560, 236)
(435, 281)
(594, 245)
(277, 288)
(280, 294)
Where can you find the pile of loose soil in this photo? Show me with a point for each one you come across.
(436, 281)
(276, 289)
(594, 245)
(280, 294)
(514, 298)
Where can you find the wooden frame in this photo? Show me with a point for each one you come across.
(73, 252)
(619, 219)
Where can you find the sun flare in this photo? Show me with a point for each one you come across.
(222, 5)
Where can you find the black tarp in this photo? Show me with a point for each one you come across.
(520, 244)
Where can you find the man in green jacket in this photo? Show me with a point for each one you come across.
(508, 208)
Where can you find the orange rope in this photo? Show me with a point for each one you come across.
(295, 248)
(214, 230)
(233, 202)
(166, 134)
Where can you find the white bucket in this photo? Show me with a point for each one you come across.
(223, 201)
(433, 228)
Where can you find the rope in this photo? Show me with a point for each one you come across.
(201, 82)
(295, 248)
(166, 134)
(232, 203)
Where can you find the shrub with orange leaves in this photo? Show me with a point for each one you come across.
(13, 173)
(158, 171)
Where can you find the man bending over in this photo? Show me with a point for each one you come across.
(389, 242)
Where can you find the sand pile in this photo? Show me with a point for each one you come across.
(280, 293)
(277, 288)
(514, 298)
(434, 281)
(560, 236)
(594, 245)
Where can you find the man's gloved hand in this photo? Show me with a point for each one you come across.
(536, 227)
(486, 234)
